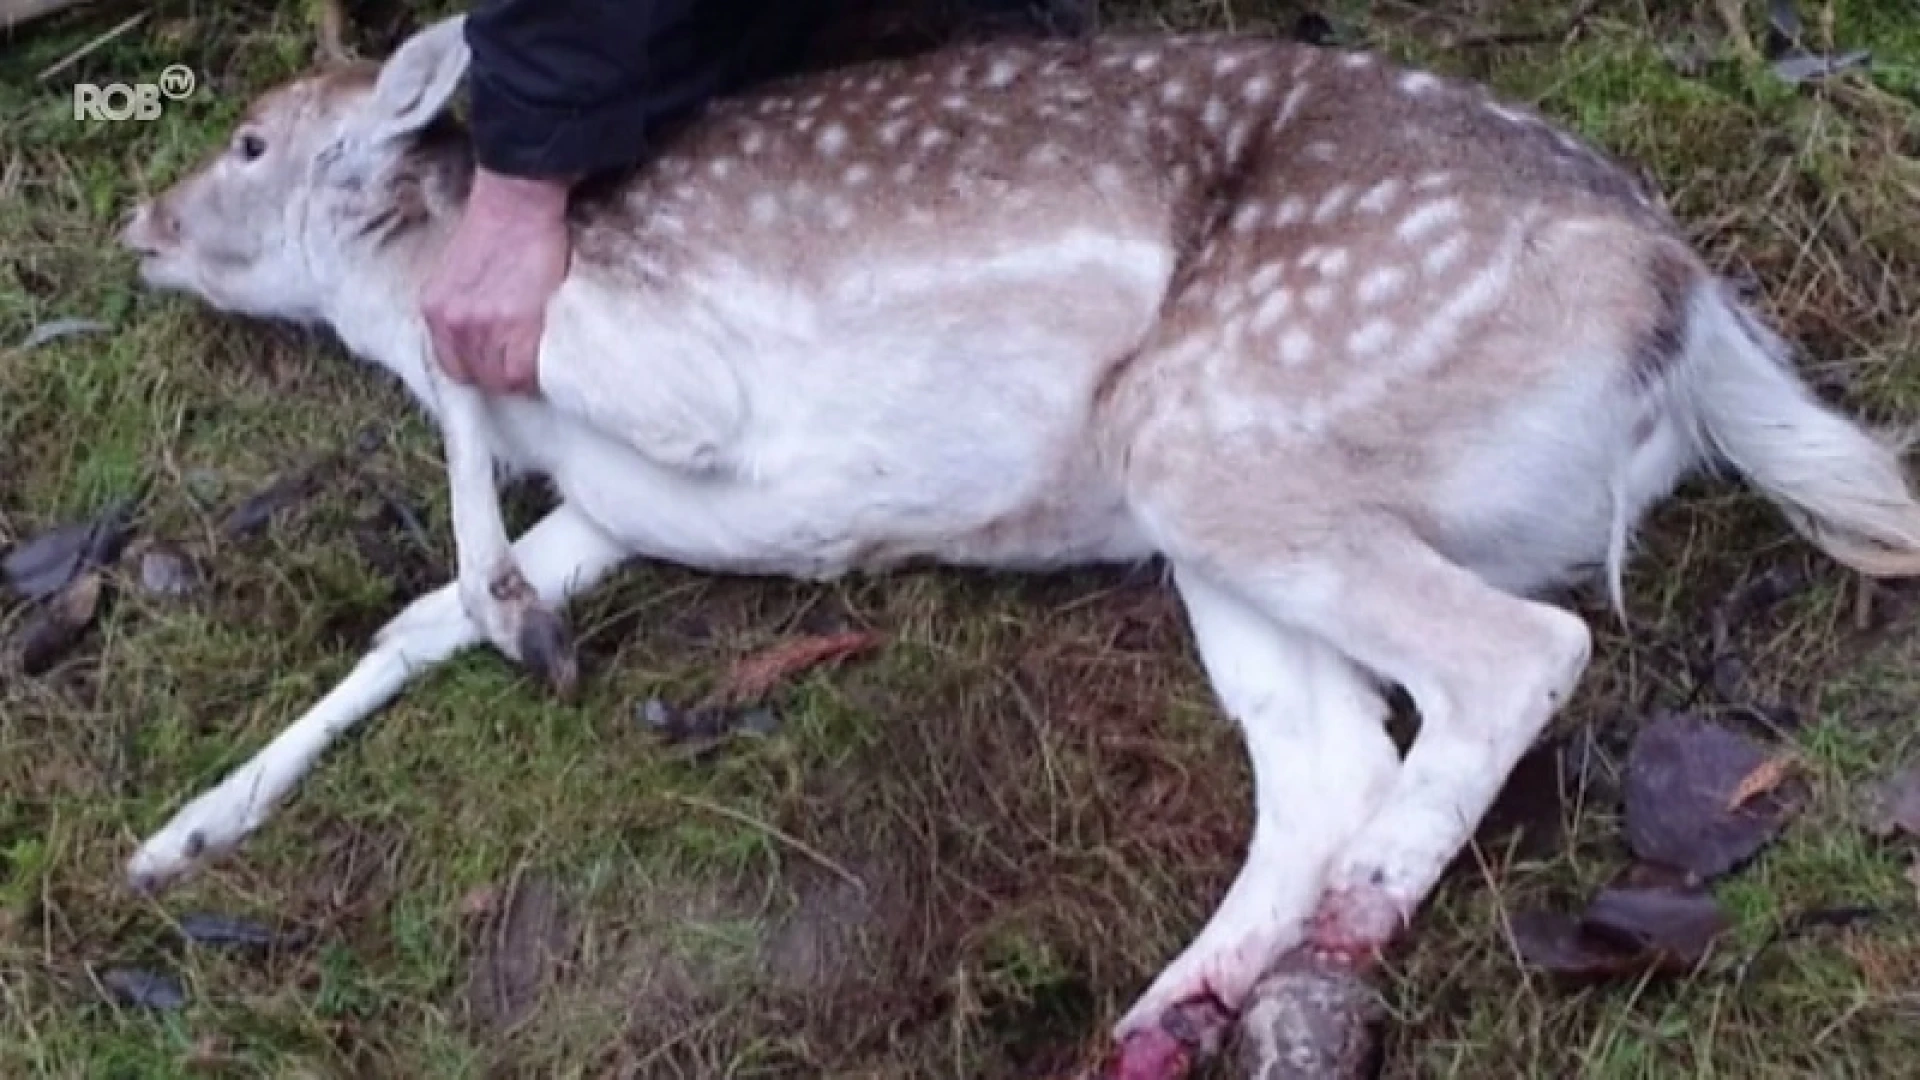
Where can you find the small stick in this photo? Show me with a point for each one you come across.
(1733, 13)
(76, 55)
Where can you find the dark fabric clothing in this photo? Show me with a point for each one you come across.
(568, 87)
(575, 87)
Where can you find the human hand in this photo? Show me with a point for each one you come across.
(486, 301)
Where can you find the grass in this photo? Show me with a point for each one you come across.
(1030, 778)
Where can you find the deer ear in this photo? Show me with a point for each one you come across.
(418, 79)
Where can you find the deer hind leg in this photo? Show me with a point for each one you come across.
(1320, 756)
(1487, 671)
(492, 586)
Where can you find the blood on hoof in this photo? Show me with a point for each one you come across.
(1354, 925)
(1188, 1034)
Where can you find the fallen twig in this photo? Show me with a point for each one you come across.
(78, 54)
(1734, 14)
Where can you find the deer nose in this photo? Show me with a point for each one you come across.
(149, 228)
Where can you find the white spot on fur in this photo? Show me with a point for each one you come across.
(1433, 181)
(764, 209)
(858, 175)
(1046, 154)
(720, 168)
(1444, 254)
(932, 139)
(900, 103)
(1356, 60)
(832, 140)
(1174, 92)
(1380, 284)
(1245, 218)
(1372, 337)
(1296, 346)
(1265, 278)
(1332, 203)
(1215, 115)
(1273, 307)
(752, 142)
(1418, 82)
(1290, 105)
(1257, 89)
(1427, 218)
(1379, 196)
(1002, 72)
(1291, 211)
(1319, 298)
(1321, 150)
(1145, 62)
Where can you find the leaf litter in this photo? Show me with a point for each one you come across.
(1894, 803)
(60, 573)
(1700, 800)
(1700, 797)
(145, 989)
(734, 706)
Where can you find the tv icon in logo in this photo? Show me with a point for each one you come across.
(139, 101)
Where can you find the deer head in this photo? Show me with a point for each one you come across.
(266, 226)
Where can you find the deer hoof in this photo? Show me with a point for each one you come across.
(546, 648)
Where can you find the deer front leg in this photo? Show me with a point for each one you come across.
(1315, 729)
(492, 587)
(565, 555)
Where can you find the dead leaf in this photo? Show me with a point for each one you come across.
(41, 567)
(254, 512)
(1631, 928)
(166, 571)
(753, 677)
(1555, 942)
(1683, 774)
(525, 945)
(703, 724)
(227, 932)
(1763, 780)
(59, 624)
(1679, 922)
(1798, 67)
(1896, 803)
(145, 989)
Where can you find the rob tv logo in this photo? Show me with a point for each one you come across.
(138, 101)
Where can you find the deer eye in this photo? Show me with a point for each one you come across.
(250, 146)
